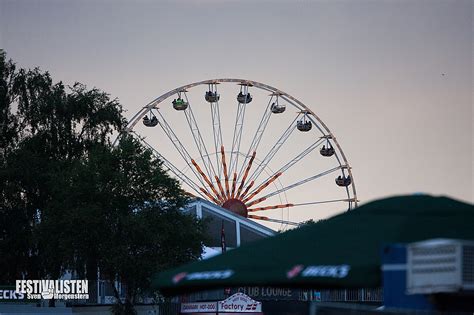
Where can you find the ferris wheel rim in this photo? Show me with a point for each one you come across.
(311, 115)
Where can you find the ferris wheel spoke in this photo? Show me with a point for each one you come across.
(216, 128)
(274, 150)
(282, 206)
(258, 136)
(256, 201)
(211, 197)
(324, 202)
(193, 126)
(189, 182)
(234, 180)
(289, 205)
(297, 158)
(224, 166)
(178, 146)
(206, 179)
(239, 124)
(261, 187)
(257, 217)
(221, 189)
(304, 181)
(246, 190)
(249, 166)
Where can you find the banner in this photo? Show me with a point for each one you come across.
(239, 303)
(199, 307)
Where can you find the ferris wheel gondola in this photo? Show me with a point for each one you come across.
(304, 124)
(327, 151)
(343, 181)
(244, 98)
(179, 103)
(150, 120)
(212, 97)
(276, 107)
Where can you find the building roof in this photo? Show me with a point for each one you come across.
(252, 225)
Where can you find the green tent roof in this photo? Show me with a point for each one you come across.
(342, 251)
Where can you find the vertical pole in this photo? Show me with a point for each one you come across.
(199, 210)
(237, 232)
(98, 285)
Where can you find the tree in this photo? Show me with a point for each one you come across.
(15, 228)
(72, 201)
(8, 122)
(128, 211)
(45, 130)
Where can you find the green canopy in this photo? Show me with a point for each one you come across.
(342, 251)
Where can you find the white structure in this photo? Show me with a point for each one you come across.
(238, 230)
(440, 265)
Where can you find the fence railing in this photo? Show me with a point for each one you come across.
(349, 295)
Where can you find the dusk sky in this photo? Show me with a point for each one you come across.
(391, 79)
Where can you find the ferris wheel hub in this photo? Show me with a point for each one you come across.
(236, 206)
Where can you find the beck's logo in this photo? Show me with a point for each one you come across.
(203, 275)
(293, 272)
(178, 277)
(324, 271)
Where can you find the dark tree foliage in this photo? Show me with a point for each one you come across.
(45, 129)
(70, 201)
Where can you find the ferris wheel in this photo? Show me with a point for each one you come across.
(250, 148)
